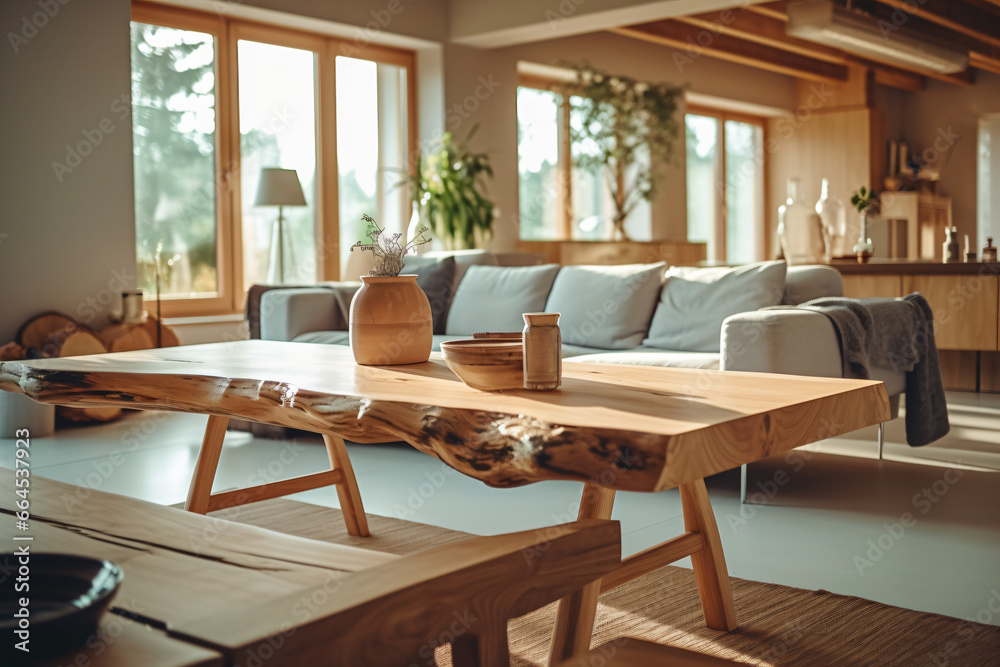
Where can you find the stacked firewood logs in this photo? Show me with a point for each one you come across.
(53, 334)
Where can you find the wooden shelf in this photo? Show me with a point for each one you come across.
(913, 267)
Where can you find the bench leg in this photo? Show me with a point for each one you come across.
(347, 488)
(709, 563)
(881, 439)
(575, 613)
(208, 461)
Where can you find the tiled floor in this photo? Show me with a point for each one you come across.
(920, 529)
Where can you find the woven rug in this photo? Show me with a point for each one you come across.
(779, 625)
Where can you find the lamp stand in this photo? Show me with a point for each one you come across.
(281, 245)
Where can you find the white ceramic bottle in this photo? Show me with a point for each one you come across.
(834, 217)
(800, 230)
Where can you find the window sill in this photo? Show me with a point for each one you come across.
(221, 318)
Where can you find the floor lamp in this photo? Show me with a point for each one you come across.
(279, 187)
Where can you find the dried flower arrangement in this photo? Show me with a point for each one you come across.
(388, 251)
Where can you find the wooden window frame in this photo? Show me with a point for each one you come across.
(227, 32)
(721, 222)
(564, 202)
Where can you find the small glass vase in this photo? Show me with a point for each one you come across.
(801, 230)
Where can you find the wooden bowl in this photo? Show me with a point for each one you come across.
(489, 364)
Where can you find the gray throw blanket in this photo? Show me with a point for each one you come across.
(895, 334)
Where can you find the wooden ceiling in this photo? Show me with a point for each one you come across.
(754, 35)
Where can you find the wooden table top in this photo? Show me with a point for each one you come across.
(629, 427)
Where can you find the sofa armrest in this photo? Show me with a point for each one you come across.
(287, 313)
(794, 342)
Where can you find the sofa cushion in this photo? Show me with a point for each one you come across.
(805, 283)
(694, 302)
(648, 356)
(607, 307)
(463, 259)
(324, 337)
(493, 298)
(436, 277)
(344, 338)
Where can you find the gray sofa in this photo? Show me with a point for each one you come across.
(706, 318)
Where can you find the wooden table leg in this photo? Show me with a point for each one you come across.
(709, 562)
(347, 488)
(575, 613)
(208, 461)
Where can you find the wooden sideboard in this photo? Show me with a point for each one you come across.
(965, 299)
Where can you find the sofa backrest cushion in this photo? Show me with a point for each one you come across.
(436, 277)
(493, 298)
(694, 302)
(805, 283)
(463, 259)
(607, 307)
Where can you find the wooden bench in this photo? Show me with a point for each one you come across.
(241, 591)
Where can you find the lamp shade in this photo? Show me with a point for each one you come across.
(279, 187)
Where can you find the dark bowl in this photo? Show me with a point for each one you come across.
(67, 595)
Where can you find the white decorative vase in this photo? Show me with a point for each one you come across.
(800, 230)
(831, 212)
(415, 222)
(390, 322)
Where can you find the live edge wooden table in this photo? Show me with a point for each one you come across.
(614, 427)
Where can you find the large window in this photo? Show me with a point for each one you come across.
(725, 185)
(278, 128)
(558, 200)
(217, 100)
(174, 113)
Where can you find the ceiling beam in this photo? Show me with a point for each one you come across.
(774, 10)
(692, 42)
(763, 29)
(958, 16)
(982, 55)
(898, 78)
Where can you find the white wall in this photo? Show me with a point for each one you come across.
(66, 244)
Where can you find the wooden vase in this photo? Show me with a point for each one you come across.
(390, 322)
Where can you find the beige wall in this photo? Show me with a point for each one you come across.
(65, 245)
(616, 54)
(940, 112)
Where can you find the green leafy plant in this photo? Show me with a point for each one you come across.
(448, 187)
(627, 129)
(388, 250)
(866, 202)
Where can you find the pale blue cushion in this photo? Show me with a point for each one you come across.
(606, 307)
(493, 298)
(694, 302)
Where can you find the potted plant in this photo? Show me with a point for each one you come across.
(867, 203)
(627, 129)
(390, 318)
(448, 192)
